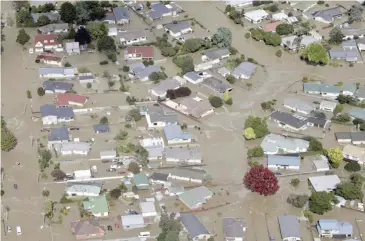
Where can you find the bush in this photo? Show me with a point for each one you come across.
(113, 57)
(125, 68)
(104, 120)
(308, 215)
(349, 191)
(297, 201)
(88, 85)
(177, 93)
(247, 35)
(29, 94)
(314, 144)
(67, 64)
(229, 101)
(215, 101)
(320, 202)
(255, 152)
(295, 182)
(352, 167)
(40, 91)
(134, 168)
(104, 62)
(231, 79)
(258, 125)
(135, 114)
(268, 105)
(279, 53)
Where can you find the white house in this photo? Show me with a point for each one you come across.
(72, 48)
(159, 117)
(354, 153)
(73, 148)
(52, 114)
(327, 105)
(57, 72)
(331, 228)
(178, 29)
(174, 135)
(85, 78)
(256, 16)
(188, 175)
(105, 155)
(273, 143)
(276, 162)
(46, 42)
(279, 16)
(234, 229)
(132, 37)
(148, 209)
(321, 165)
(193, 77)
(57, 136)
(183, 155)
(82, 174)
(325, 183)
(83, 189)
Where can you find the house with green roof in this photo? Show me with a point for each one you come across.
(141, 181)
(98, 206)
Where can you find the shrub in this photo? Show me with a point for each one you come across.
(279, 53)
(40, 91)
(67, 64)
(177, 93)
(352, 167)
(104, 120)
(216, 101)
(125, 68)
(255, 152)
(295, 182)
(297, 201)
(104, 62)
(134, 168)
(89, 85)
(231, 79)
(247, 35)
(229, 101)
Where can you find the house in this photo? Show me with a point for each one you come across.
(82, 174)
(174, 190)
(352, 33)
(97, 206)
(203, 66)
(360, 94)
(58, 135)
(331, 228)
(307, 40)
(132, 37)
(49, 59)
(354, 153)
(224, 71)
(183, 155)
(86, 229)
(356, 138)
(54, 28)
(46, 42)
(188, 175)
(85, 78)
(139, 52)
(73, 148)
(327, 15)
(154, 146)
(290, 121)
(143, 73)
(298, 105)
(68, 99)
(121, 15)
(57, 72)
(52, 114)
(321, 165)
(196, 107)
(234, 229)
(325, 183)
(214, 56)
(279, 16)
(133, 221)
(109, 18)
(217, 85)
(159, 117)
(193, 77)
(327, 105)
(271, 27)
(160, 90)
(178, 29)
(238, 3)
(360, 44)
(141, 181)
(274, 143)
(291, 42)
(196, 197)
(276, 162)
(195, 229)
(347, 55)
(349, 89)
(72, 48)
(291, 20)
(174, 135)
(203, 35)
(343, 137)
(349, 45)
(358, 113)
(244, 71)
(53, 16)
(329, 91)
(83, 189)
(256, 16)
(160, 178)
(317, 122)
(101, 128)
(312, 88)
(290, 228)
(160, 10)
(110, 154)
(112, 31)
(148, 209)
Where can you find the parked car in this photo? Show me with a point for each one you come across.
(8, 228)
(74, 128)
(105, 161)
(45, 130)
(110, 228)
(18, 230)
(111, 170)
(15, 186)
(277, 173)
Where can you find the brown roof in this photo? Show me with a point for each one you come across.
(86, 227)
(271, 27)
(145, 51)
(45, 39)
(49, 57)
(65, 99)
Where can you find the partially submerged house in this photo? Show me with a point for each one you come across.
(101, 128)
(52, 114)
(178, 29)
(148, 209)
(196, 197)
(154, 146)
(327, 105)
(73, 148)
(356, 138)
(214, 56)
(326, 15)
(159, 10)
(160, 90)
(244, 71)
(72, 48)
(192, 225)
(85, 78)
(133, 222)
(69, 99)
(141, 181)
(57, 72)
(84, 229)
(234, 229)
(50, 59)
(97, 206)
(328, 91)
(58, 135)
(83, 189)
(325, 183)
(354, 153)
(285, 162)
(290, 228)
(160, 178)
(175, 135)
(358, 113)
(44, 42)
(274, 143)
(132, 37)
(143, 73)
(121, 15)
(194, 77)
(196, 107)
(299, 105)
(290, 121)
(347, 55)
(159, 117)
(217, 85)
(188, 175)
(331, 228)
(256, 16)
(352, 33)
(183, 155)
(321, 165)
(53, 87)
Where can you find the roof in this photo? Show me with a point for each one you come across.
(53, 16)
(233, 227)
(142, 73)
(321, 164)
(159, 176)
(214, 54)
(145, 51)
(307, 40)
(289, 226)
(60, 112)
(349, 43)
(178, 27)
(245, 68)
(46, 37)
(157, 10)
(130, 35)
(196, 108)
(352, 31)
(109, 16)
(192, 225)
(152, 142)
(193, 76)
(121, 13)
(97, 204)
(173, 132)
(324, 183)
(101, 128)
(175, 189)
(168, 84)
(131, 220)
(330, 89)
(59, 134)
(328, 14)
(288, 119)
(299, 104)
(140, 179)
(317, 121)
(65, 99)
(72, 46)
(273, 142)
(86, 227)
(333, 224)
(57, 70)
(256, 14)
(280, 16)
(155, 152)
(147, 207)
(357, 113)
(108, 153)
(344, 54)
(358, 136)
(52, 27)
(56, 85)
(75, 146)
(271, 27)
(360, 93)
(183, 154)
(160, 114)
(327, 104)
(283, 160)
(86, 76)
(197, 174)
(354, 151)
(343, 135)
(49, 57)
(312, 87)
(218, 85)
(84, 187)
(195, 196)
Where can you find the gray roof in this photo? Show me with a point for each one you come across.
(60, 112)
(59, 134)
(189, 172)
(216, 53)
(317, 121)
(86, 227)
(245, 68)
(343, 228)
(288, 119)
(173, 131)
(195, 196)
(85, 187)
(233, 227)
(56, 85)
(193, 75)
(52, 27)
(324, 183)
(158, 113)
(155, 152)
(328, 14)
(183, 154)
(357, 113)
(218, 85)
(349, 87)
(360, 93)
(289, 226)
(135, 66)
(73, 146)
(192, 225)
(121, 13)
(165, 85)
(108, 17)
(72, 46)
(343, 135)
(158, 10)
(178, 27)
(273, 142)
(352, 31)
(196, 108)
(101, 128)
(349, 43)
(283, 160)
(330, 89)
(131, 220)
(358, 136)
(312, 87)
(53, 16)
(299, 104)
(142, 73)
(159, 176)
(348, 55)
(130, 35)
(307, 40)
(360, 40)
(57, 70)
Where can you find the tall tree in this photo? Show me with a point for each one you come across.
(106, 44)
(24, 17)
(43, 20)
(260, 179)
(22, 37)
(8, 140)
(316, 53)
(82, 36)
(320, 202)
(335, 36)
(68, 12)
(355, 13)
(97, 30)
(223, 38)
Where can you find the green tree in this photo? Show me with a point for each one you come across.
(122, 135)
(320, 202)
(148, 4)
(125, 69)
(41, 91)
(279, 53)
(192, 45)
(123, 188)
(115, 193)
(71, 33)
(231, 79)
(97, 30)
(338, 109)
(257, 34)
(68, 12)
(255, 152)
(134, 168)
(216, 101)
(185, 62)
(273, 39)
(352, 167)
(335, 36)
(297, 201)
(24, 17)
(29, 94)
(89, 85)
(104, 120)
(295, 182)
(284, 29)
(349, 191)
(249, 133)
(335, 156)
(316, 53)
(357, 179)
(168, 51)
(315, 145)
(22, 37)
(43, 20)
(135, 114)
(141, 154)
(223, 38)
(8, 140)
(355, 13)
(106, 44)
(259, 125)
(157, 76)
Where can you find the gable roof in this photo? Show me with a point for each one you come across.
(59, 134)
(121, 13)
(130, 35)
(178, 27)
(289, 226)
(145, 51)
(131, 220)
(46, 39)
(56, 85)
(101, 128)
(299, 104)
(96, 205)
(158, 10)
(72, 46)
(328, 14)
(324, 183)
(52, 110)
(142, 73)
(197, 174)
(159, 176)
(333, 224)
(245, 68)
(67, 71)
(288, 119)
(317, 121)
(140, 179)
(183, 154)
(87, 227)
(52, 27)
(234, 227)
(352, 31)
(173, 132)
(357, 113)
(193, 226)
(218, 85)
(65, 99)
(49, 57)
(348, 55)
(214, 54)
(283, 160)
(168, 84)
(195, 196)
(160, 114)
(273, 142)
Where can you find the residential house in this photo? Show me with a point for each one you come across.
(238, 3)
(317, 122)
(97, 206)
(354, 153)
(214, 56)
(274, 143)
(298, 105)
(53, 16)
(148, 209)
(174, 190)
(143, 73)
(195, 107)
(188, 175)
(69, 99)
(217, 85)
(52, 87)
(141, 181)
(52, 114)
(82, 174)
(234, 229)
(326, 183)
(349, 45)
(160, 10)
(256, 16)
(277, 162)
(133, 222)
(174, 135)
(271, 27)
(194, 228)
(307, 40)
(49, 59)
(160, 90)
(360, 44)
(58, 135)
(121, 15)
(321, 165)
(360, 94)
(352, 33)
(244, 71)
(112, 31)
(85, 78)
(139, 53)
(86, 229)
(327, 105)
(224, 71)
(331, 228)
(326, 16)
(358, 113)
(347, 55)
(109, 18)
(154, 146)
(290, 121)
(73, 148)
(107, 155)
(193, 77)
(356, 138)
(46, 42)
(72, 48)
(349, 89)
(203, 35)
(160, 178)
(159, 117)
(196, 197)
(329, 91)
(178, 29)
(83, 189)
(54, 28)
(57, 72)
(132, 37)
(279, 16)
(291, 42)
(101, 128)
(183, 155)
(203, 66)
(290, 228)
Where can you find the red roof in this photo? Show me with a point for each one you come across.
(45, 39)
(145, 51)
(271, 27)
(65, 99)
(49, 57)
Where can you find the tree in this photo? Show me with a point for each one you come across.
(279, 53)
(335, 36)
(168, 51)
(40, 91)
(185, 62)
(349, 191)
(284, 29)
(148, 4)
(255, 152)
(71, 33)
(320, 202)
(141, 154)
(257, 34)
(177, 93)
(125, 69)
(260, 179)
(315, 145)
(97, 30)
(82, 36)
(134, 168)
(135, 114)
(335, 156)
(68, 12)
(352, 167)
(104, 120)
(273, 39)
(8, 140)
(45, 193)
(273, 8)
(215, 101)
(357, 179)
(295, 182)
(249, 133)
(338, 109)
(58, 174)
(315, 53)
(231, 79)
(43, 20)
(24, 17)
(115, 193)
(122, 135)
(297, 201)
(22, 37)
(106, 44)
(89, 85)
(259, 125)
(223, 38)
(192, 45)
(355, 13)
(157, 76)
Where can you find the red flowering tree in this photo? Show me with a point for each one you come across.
(262, 180)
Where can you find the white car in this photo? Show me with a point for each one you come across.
(8, 228)
(18, 230)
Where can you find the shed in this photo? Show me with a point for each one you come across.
(108, 154)
(321, 165)
(290, 228)
(148, 209)
(325, 183)
(277, 162)
(101, 128)
(133, 221)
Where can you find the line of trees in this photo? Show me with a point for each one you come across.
(269, 38)
(177, 93)
(8, 140)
